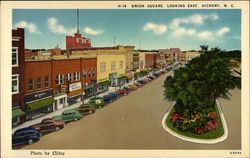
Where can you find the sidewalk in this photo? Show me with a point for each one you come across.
(59, 112)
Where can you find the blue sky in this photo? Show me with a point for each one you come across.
(156, 29)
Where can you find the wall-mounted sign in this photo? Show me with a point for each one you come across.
(75, 86)
(38, 95)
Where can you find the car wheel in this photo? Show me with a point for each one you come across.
(90, 112)
(30, 141)
(75, 118)
(57, 129)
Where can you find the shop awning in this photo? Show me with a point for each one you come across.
(105, 83)
(129, 76)
(17, 112)
(39, 104)
(74, 93)
(123, 77)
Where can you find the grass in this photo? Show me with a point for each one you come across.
(218, 132)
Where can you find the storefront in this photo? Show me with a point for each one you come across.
(103, 86)
(39, 103)
(16, 113)
(89, 90)
(61, 101)
(75, 93)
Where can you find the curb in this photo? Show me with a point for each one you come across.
(194, 140)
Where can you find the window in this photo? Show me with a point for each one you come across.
(76, 76)
(39, 82)
(89, 73)
(61, 100)
(14, 84)
(31, 84)
(93, 72)
(103, 66)
(84, 74)
(121, 64)
(47, 81)
(69, 77)
(14, 56)
(59, 79)
(112, 65)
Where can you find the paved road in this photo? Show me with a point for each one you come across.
(134, 122)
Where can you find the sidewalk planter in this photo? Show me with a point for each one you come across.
(211, 137)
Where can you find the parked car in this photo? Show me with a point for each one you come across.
(86, 109)
(141, 82)
(97, 102)
(132, 87)
(126, 88)
(115, 95)
(108, 98)
(48, 125)
(138, 84)
(122, 91)
(68, 115)
(152, 77)
(147, 80)
(27, 135)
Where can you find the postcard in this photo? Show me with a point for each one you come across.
(125, 79)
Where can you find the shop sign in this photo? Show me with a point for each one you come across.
(38, 95)
(75, 86)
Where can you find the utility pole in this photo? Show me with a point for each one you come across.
(78, 21)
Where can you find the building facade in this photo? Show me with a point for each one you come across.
(182, 57)
(18, 104)
(141, 61)
(150, 60)
(191, 55)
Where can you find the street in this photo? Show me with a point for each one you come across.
(134, 122)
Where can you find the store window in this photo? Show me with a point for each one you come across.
(47, 82)
(14, 84)
(59, 79)
(93, 72)
(89, 73)
(31, 84)
(14, 56)
(61, 100)
(39, 82)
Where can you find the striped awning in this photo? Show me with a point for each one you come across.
(17, 112)
(41, 103)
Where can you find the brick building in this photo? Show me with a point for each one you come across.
(18, 105)
(150, 60)
(57, 84)
(77, 41)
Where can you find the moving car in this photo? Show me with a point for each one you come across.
(122, 91)
(86, 109)
(27, 135)
(48, 125)
(68, 115)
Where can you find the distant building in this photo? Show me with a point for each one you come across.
(191, 55)
(56, 51)
(77, 42)
(171, 55)
(182, 57)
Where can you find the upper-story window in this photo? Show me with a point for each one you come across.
(93, 72)
(103, 66)
(39, 82)
(59, 79)
(112, 65)
(15, 84)
(84, 74)
(69, 76)
(14, 56)
(31, 84)
(121, 64)
(76, 76)
(89, 73)
(47, 82)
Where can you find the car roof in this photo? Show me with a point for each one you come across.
(69, 111)
(25, 129)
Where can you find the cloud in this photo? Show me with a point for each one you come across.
(205, 34)
(183, 32)
(55, 27)
(197, 19)
(32, 28)
(91, 31)
(222, 31)
(157, 29)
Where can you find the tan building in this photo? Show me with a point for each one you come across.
(182, 57)
(141, 61)
(191, 55)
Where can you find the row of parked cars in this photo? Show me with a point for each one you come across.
(33, 133)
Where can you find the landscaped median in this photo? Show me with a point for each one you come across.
(216, 135)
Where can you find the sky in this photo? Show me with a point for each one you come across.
(145, 29)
